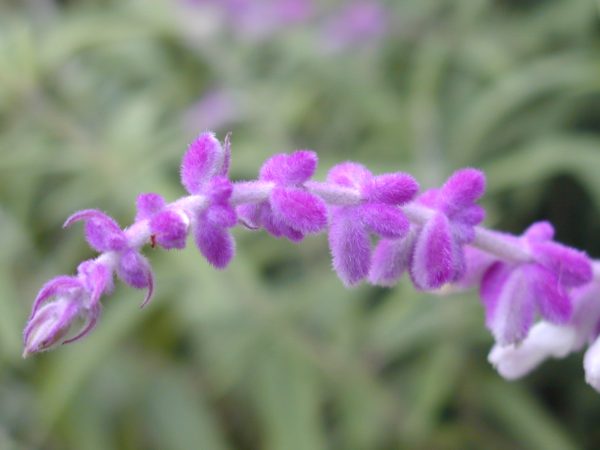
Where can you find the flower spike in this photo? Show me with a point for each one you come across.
(541, 298)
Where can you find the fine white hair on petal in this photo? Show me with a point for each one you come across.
(591, 365)
(545, 340)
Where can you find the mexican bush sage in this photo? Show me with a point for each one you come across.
(541, 298)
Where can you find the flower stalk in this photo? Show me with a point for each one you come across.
(541, 298)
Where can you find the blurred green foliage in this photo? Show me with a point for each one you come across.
(274, 353)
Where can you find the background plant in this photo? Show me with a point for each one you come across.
(98, 98)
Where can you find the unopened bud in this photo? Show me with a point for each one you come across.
(50, 325)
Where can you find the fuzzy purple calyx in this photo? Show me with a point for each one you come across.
(514, 293)
(376, 213)
(290, 210)
(204, 159)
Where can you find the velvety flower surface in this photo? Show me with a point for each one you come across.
(477, 262)
(212, 234)
(104, 235)
(547, 340)
(434, 253)
(290, 210)
(49, 326)
(438, 256)
(169, 226)
(377, 213)
(203, 172)
(514, 294)
(522, 279)
(205, 158)
(61, 303)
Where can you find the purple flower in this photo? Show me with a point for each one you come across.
(103, 234)
(204, 159)
(168, 225)
(212, 235)
(290, 210)
(514, 293)
(203, 173)
(73, 298)
(377, 213)
(435, 238)
(49, 326)
(433, 253)
(477, 262)
(546, 340)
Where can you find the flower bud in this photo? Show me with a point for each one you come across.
(50, 325)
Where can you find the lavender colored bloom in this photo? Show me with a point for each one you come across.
(204, 159)
(477, 263)
(377, 213)
(435, 238)
(169, 226)
(212, 235)
(548, 340)
(104, 235)
(61, 303)
(434, 253)
(438, 256)
(148, 205)
(514, 293)
(203, 172)
(391, 258)
(49, 326)
(96, 279)
(102, 232)
(290, 210)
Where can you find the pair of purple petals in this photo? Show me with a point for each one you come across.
(104, 234)
(547, 340)
(377, 213)
(433, 253)
(74, 297)
(204, 170)
(204, 175)
(513, 294)
(290, 211)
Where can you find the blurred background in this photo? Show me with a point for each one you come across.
(98, 100)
